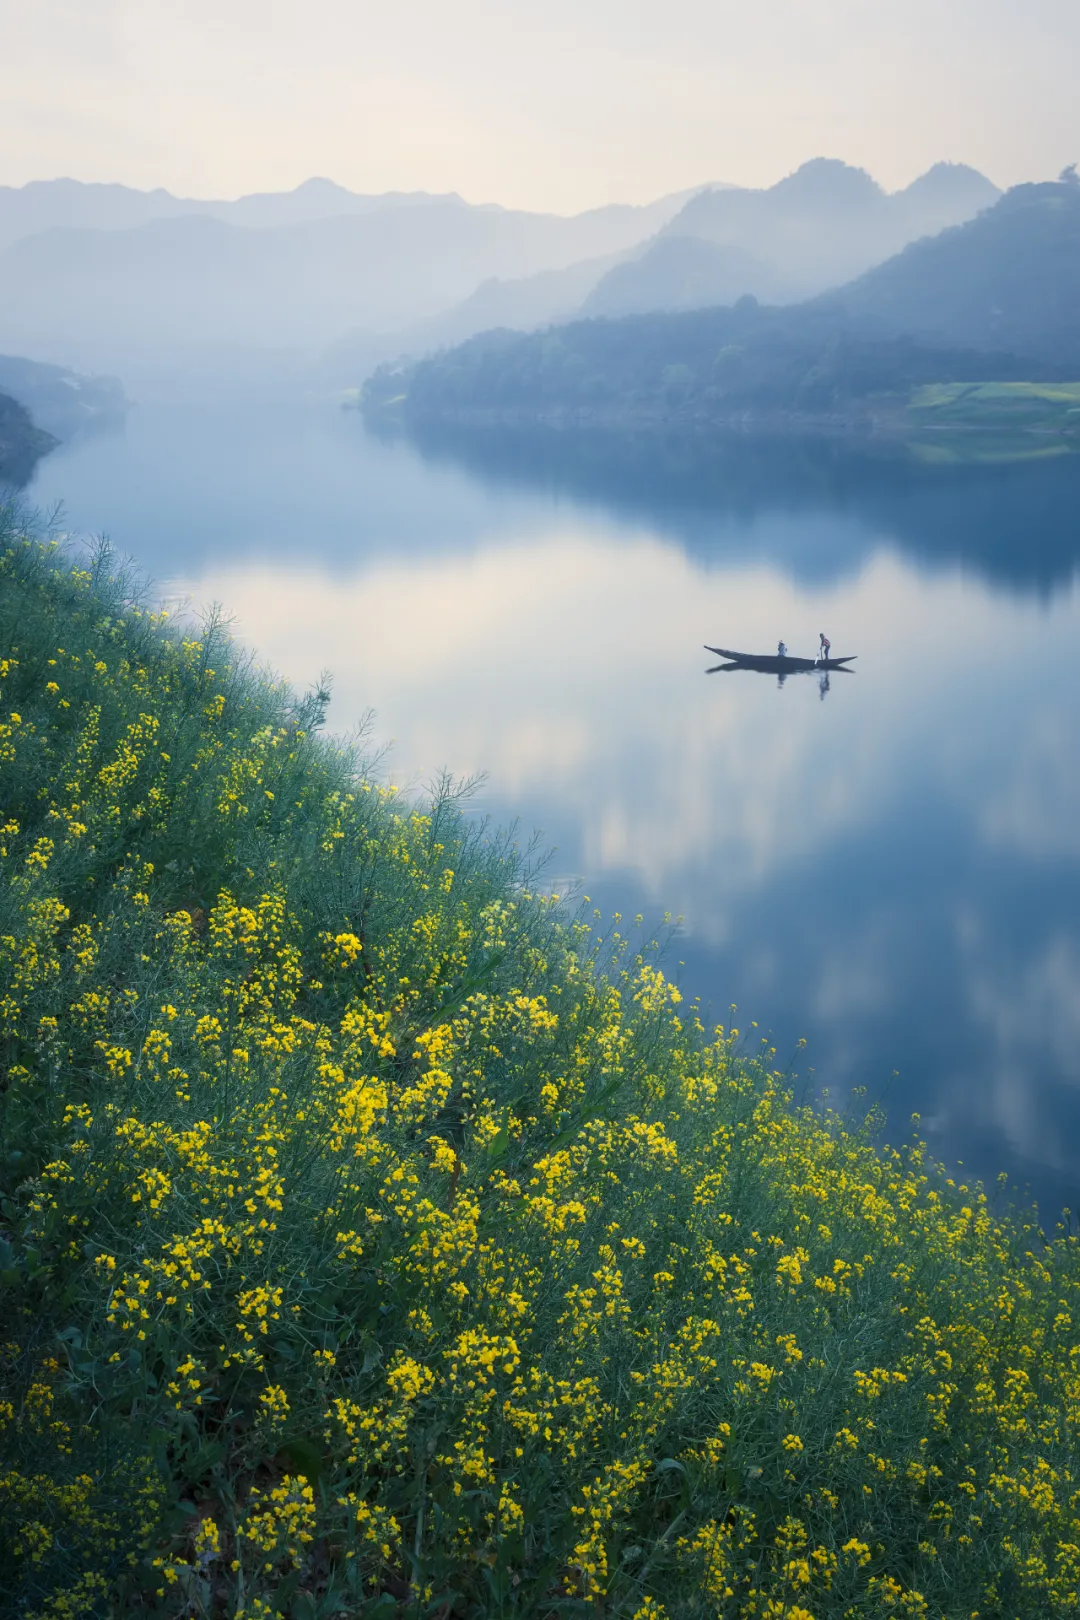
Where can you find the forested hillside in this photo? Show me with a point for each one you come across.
(1006, 280)
(21, 443)
(718, 363)
(994, 299)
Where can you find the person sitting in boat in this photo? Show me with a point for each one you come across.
(781, 650)
(825, 649)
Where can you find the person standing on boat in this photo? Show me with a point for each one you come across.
(825, 649)
(781, 650)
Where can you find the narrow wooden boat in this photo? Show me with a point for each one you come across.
(777, 666)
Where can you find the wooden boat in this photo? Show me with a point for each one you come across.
(773, 665)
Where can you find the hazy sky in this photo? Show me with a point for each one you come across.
(539, 103)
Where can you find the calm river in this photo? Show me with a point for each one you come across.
(889, 868)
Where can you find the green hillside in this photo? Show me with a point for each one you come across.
(1005, 281)
(728, 365)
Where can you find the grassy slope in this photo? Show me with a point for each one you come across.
(366, 1249)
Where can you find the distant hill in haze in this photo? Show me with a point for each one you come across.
(44, 205)
(61, 401)
(684, 272)
(994, 299)
(814, 229)
(828, 221)
(117, 271)
(40, 405)
(105, 277)
(824, 222)
(520, 303)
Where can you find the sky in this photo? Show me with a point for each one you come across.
(544, 104)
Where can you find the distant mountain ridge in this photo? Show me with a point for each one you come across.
(835, 214)
(677, 269)
(287, 273)
(817, 228)
(44, 205)
(64, 204)
(993, 299)
(102, 277)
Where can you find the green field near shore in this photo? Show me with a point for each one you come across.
(1031, 405)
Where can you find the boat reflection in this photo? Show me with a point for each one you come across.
(781, 666)
(783, 663)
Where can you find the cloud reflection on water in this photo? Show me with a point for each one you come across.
(569, 670)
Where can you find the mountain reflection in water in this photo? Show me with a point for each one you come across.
(1010, 508)
(893, 874)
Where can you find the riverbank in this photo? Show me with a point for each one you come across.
(1031, 417)
(22, 444)
(378, 1235)
(61, 401)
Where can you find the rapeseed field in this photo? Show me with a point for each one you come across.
(376, 1240)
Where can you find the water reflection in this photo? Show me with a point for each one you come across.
(878, 875)
(894, 874)
(1009, 509)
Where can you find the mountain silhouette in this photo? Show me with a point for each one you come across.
(814, 229)
(96, 274)
(1005, 280)
(990, 300)
(683, 272)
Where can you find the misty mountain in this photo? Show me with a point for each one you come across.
(816, 228)
(1007, 280)
(683, 267)
(207, 286)
(61, 401)
(994, 299)
(521, 303)
(44, 205)
(684, 272)
(828, 222)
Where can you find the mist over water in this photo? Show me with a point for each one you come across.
(889, 868)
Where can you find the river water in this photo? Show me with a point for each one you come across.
(888, 868)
